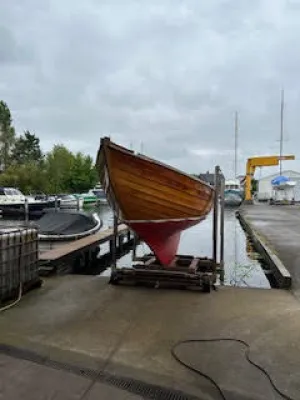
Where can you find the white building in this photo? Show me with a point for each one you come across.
(265, 191)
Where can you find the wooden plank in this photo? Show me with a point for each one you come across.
(193, 265)
(80, 244)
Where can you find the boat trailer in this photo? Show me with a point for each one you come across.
(185, 271)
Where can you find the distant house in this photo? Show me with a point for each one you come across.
(265, 190)
(208, 177)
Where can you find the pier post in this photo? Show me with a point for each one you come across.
(222, 216)
(26, 209)
(78, 203)
(216, 216)
(134, 246)
(114, 244)
(56, 203)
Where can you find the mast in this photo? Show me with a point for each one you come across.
(281, 131)
(235, 142)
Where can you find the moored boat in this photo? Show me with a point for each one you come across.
(232, 198)
(13, 203)
(71, 225)
(69, 201)
(154, 199)
(93, 196)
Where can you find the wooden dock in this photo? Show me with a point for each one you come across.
(79, 253)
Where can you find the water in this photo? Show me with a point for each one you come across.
(242, 264)
(243, 267)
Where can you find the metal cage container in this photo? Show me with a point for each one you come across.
(18, 260)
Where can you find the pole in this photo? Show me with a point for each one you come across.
(236, 122)
(114, 244)
(215, 215)
(281, 131)
(26, 209)
(222, 218)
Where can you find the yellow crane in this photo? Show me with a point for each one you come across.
(263, 161)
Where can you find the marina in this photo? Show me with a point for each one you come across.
(92, 254)
(149, 201)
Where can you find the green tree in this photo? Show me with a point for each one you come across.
(59, 162)
(27, 149)
(7, 134)
(83, 175)
(27, 177)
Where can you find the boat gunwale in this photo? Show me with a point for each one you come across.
(108, 143)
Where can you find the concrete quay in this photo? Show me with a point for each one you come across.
(279, 228)
(128, 332)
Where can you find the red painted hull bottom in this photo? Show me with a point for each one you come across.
(162, 237)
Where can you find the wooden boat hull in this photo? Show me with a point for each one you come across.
(155, 200)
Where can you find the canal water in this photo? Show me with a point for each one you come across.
(243, 266)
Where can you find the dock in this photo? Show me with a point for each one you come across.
(79, 253)
(279, 228)
(80, 329)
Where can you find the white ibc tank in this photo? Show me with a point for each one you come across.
(18, 259)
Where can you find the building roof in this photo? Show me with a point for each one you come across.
(208, 177)
(285, 172)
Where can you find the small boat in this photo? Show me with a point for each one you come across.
(93, 196)
(100, 194)
(283, 190)
(62, 225)
(13, 203)
(157, 201)
(232, 198)
(233, 193)
(69, 201)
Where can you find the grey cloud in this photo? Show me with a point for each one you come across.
(168, 73)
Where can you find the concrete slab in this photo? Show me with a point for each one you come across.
(26, 380)
(279, 226)
(130, 331)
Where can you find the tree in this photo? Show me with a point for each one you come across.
(26, 177)
(27, 149)
(59, 162)
(83, 175)
(7, 134)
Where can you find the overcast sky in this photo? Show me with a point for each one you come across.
(167, 73)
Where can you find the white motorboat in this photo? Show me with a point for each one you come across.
(69, 201)
(13, 203)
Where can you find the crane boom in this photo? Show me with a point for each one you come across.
(263, 161)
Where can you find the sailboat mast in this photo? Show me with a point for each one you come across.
(281, 131)
(235, 143)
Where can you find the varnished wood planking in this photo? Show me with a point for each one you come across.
(138, 195)
(146, 190)
(120, 169)
(157, 173)
(151, 185)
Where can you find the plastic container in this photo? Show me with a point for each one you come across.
(18, 260)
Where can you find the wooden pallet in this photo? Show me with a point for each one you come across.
(184, 271)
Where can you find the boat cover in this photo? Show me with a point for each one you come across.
(279, 180)
(65, 223)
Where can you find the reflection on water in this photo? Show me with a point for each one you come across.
(242, 266)
(242, 263)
